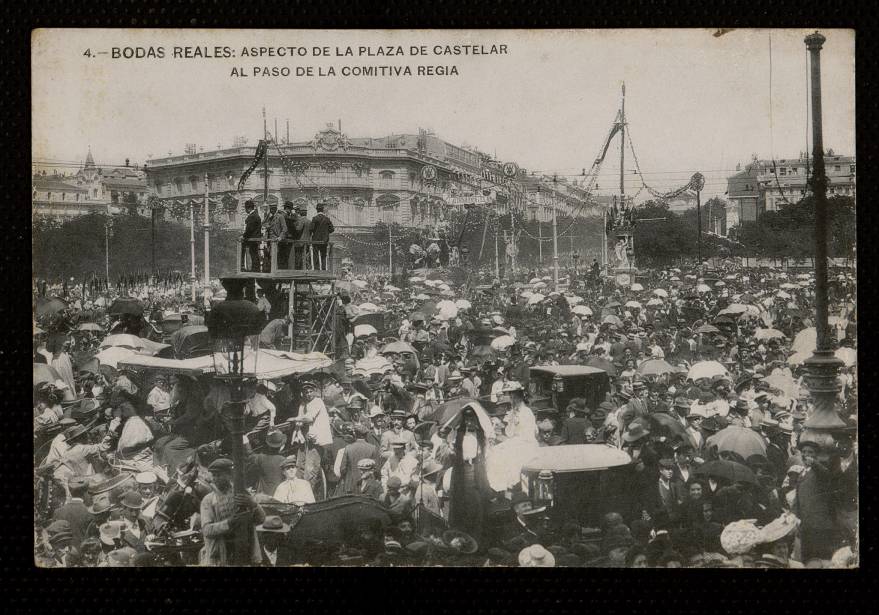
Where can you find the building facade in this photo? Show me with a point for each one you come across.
(410, 179)
(765, 185)
(90, 189)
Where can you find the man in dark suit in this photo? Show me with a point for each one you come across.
(74, 510)
(321, 228)
(288, 216)
(252, 231)
(351, 456)
(272, 535)
(265, 468)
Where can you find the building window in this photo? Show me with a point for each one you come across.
(49, 196)
(851, 169)
(178, 183)
(836, 168)
(782, 171)
(158, 187)
(193, 183)
(386, 178)
(63, 196)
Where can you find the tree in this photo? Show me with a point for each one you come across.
(130, 203)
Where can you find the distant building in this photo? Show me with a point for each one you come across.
(90, 189)
(765, 185)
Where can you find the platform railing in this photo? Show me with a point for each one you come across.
(284, 256)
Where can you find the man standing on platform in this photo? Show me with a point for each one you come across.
(252, 232)
(321, 228)
(275, 228)
(288, 216)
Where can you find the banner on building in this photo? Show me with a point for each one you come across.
(260, 153)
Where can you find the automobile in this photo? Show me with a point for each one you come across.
(553, 386)
(575, 482)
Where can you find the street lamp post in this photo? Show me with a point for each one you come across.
(822, 366)
(233, 326)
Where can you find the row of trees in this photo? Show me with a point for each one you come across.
(77, 247)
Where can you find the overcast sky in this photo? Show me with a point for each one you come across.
(693, 102)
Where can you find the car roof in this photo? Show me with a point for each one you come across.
(568, 370)
(577, 458)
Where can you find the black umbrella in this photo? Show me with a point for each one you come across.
(732, 471)
(126, 305)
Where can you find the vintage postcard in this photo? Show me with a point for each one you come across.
(539, 298)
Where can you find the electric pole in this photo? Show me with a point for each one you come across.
(698, 182)
(555, 241)
(623, 146)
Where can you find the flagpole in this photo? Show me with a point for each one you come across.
(207, 238)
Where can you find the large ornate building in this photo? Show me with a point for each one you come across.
(409, 179)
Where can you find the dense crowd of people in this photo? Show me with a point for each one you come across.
(433, 414)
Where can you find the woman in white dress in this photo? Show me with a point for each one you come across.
(504, 462)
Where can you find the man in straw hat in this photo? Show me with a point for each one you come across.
(273, 542)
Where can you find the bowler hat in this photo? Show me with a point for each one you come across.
(460, 541)
(635, 433)
(132, 499)
(221, 464)
(607, 406)
(394, 482)
(289, 462)
(276, 439)
(100, 504)
(666, 463)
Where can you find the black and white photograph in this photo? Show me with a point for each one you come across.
(459, 298)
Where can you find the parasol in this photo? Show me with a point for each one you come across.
(463, 304)
(726, 469)
(89, 326)
(535, 299)
(503, 342)
(849, 356)
(633, 304)
(636, 287)
(540, 285)
(768, 334)
(659, 292)
(391, 289)
(359, 284)
(655, 302)
(656, 367)
(122, 340)
(44, 373)
(369, 307)
(422, 297)
(740, 440)
(662, 424)
(703, 288)
(707, 329)
(581, 310)
(805, 341)
(612, 320)
(112, 355)
(706, 369)
(575, 300)
(364, 330)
